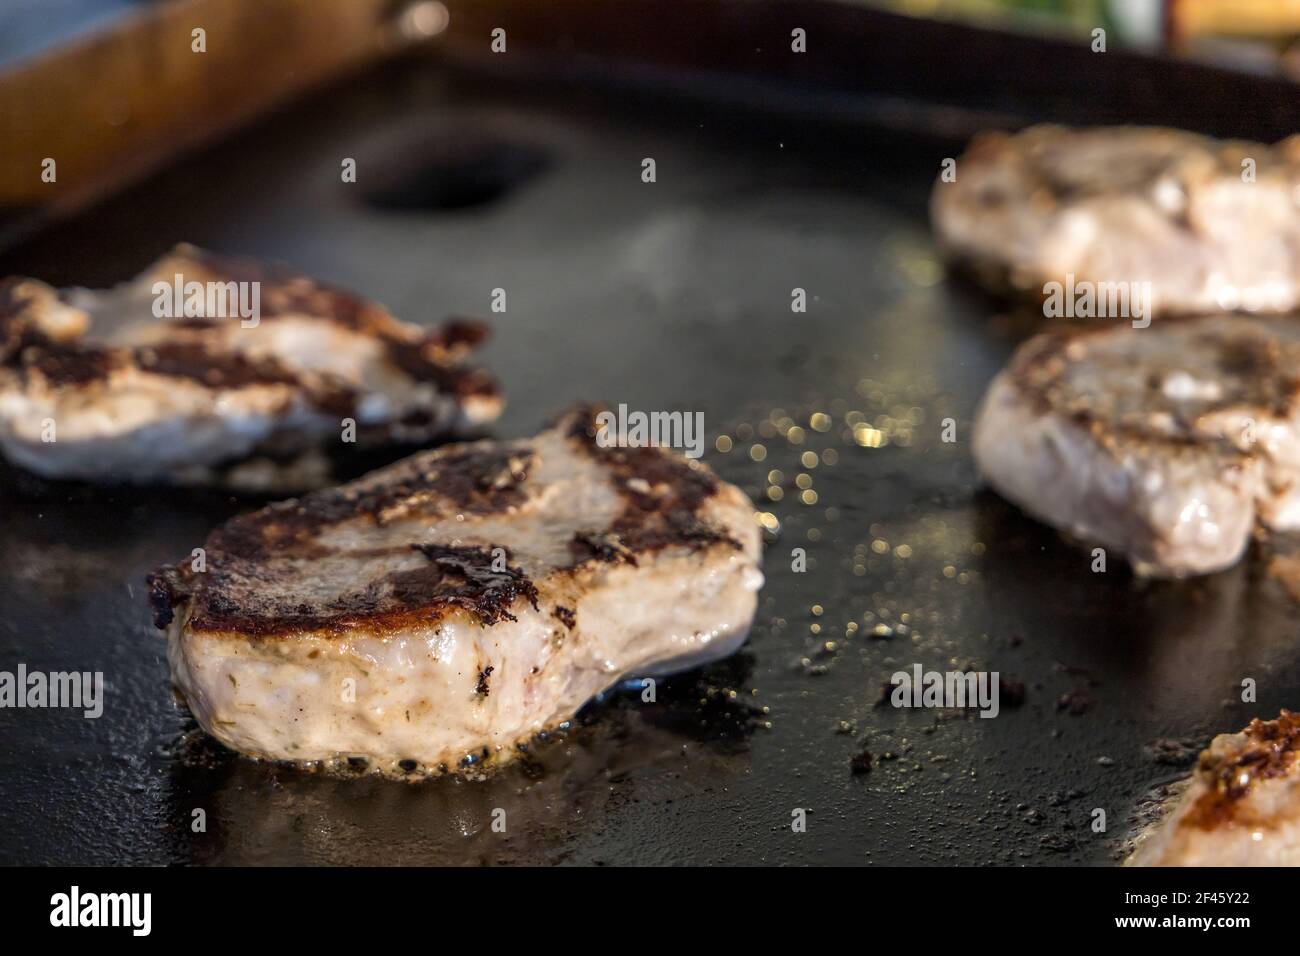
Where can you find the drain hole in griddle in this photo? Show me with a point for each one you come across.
(450, 172)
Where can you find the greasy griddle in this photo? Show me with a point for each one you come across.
(667, 295)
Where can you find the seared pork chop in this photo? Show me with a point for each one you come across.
(1129, 204)
(1242, 807)
(1170, 443)
(94, 386)
(458, 602)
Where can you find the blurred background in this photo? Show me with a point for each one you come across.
(114, 88)
(1255, 34)
(1250, 34)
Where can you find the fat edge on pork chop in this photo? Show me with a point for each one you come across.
(451, 606)
(141, 383)
(1171, 444)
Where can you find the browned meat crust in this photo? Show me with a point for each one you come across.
(1125, 204)
(465, 577)
(1253, 360)
(436, 356)
(1271, 749)
(1173, 444)
(662, 497)
(650, 521)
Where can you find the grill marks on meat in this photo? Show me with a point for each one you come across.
(595, 546)
(1128, 204)
(481, 478)
(436, 360)
(37, 331)
(662, 495)
(59, 365)
(467, 578)
(31, 313)
(660, 502)
(1171, 443)
(122, 387)
(1242, 806)
(432, 357)
(194, 361)
(446, 568)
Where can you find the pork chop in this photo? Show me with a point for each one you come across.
(1129, 204)
(1170, 444)
(95, 386)
(454, 604)
(1242, 807)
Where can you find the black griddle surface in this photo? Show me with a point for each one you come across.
(671, 295)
